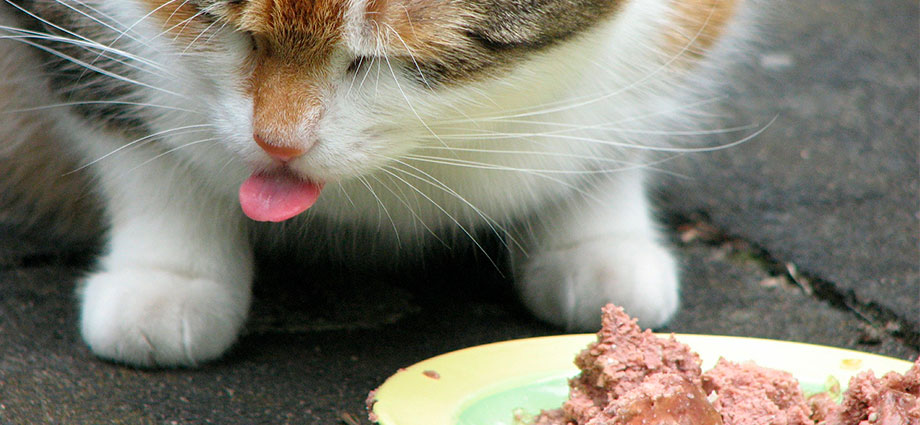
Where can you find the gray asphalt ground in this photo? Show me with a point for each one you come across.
(810, 232)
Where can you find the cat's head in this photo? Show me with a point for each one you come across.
(328, 89)
(324, 90)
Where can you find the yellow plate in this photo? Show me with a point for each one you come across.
(485, 385)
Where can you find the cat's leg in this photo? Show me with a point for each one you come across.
(174, 286)
(596, 248)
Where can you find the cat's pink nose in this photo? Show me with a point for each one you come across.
(281, 153)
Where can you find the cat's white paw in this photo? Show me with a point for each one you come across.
(152, 317)
(568, 286)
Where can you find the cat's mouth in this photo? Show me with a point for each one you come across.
(277, 195)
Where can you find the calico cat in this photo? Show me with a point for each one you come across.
(415, 121)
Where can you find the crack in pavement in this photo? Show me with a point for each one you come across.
(698, 226)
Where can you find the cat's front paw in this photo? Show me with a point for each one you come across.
(568, 286)
(152, 317)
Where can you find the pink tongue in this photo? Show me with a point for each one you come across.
(276, 197)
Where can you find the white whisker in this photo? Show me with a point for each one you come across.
(409, 103)
(205, 31)
(381, 205)
(493, 224)
(102, 102)
(411, 54)
(403, 200)
(85, 44)
(605, 142)
(149, 14)
(47, 22)
(355, 76)
(439, 207)
(569, 104)
(96, 19)
(169, 151)
(347, 196)
(214, 33)
(96, 69)
(174, 131)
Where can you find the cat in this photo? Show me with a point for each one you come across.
(416, 121)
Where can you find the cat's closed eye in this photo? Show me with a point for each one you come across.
(358, 62)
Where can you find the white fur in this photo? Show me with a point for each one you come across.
(174, 286)
(588, 252)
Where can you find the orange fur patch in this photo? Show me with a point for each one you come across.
(295, 41)
(697, 25)
(286, 97)
(418, 28)
(178, 18)
(297, 30)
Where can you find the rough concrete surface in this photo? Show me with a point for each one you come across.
(833, 185)
(809, 232)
